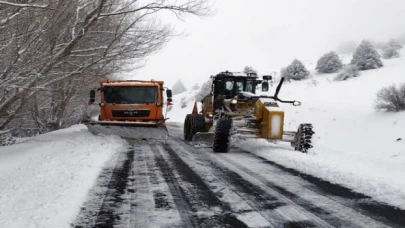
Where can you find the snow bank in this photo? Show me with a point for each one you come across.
(183, 104)
(45, 179)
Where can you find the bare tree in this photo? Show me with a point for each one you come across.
(51, 56)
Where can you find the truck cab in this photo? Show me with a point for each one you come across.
(131, 100)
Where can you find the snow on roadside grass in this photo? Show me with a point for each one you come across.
(45, 179)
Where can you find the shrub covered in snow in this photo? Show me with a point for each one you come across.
(391, 98)
(390, 50)
(348, 71)
(390, 53)
(366, 57)
(329, 63)
(249, 69)
(6, 138)
(295, 71)
(178, 87)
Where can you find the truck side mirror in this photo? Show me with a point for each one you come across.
(267, 77)
(265, 86)
(92, 96)
(169, 95)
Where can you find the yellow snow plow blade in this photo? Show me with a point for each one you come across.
(130, 130)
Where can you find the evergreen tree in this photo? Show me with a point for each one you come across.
(390, 50)
(329, 63)
(295, 71)
(178, 87)
(249, 69)
(366, 57)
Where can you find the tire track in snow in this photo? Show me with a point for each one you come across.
(296, 192)
(151, 202)
(387, 214)
(277, 210)
(175, 190)
(199, 204)
(107, 215)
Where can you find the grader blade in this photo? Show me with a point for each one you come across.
(203, 139)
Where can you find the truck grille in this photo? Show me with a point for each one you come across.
(130, 113)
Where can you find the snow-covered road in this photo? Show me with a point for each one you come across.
(177, 185)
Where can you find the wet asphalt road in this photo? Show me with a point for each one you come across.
(177, 185)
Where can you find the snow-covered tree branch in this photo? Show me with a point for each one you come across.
(50, 57)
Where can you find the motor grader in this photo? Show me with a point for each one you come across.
(233, 108)
(131, 109)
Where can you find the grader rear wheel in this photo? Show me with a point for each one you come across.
(197, 124)
(187, 128)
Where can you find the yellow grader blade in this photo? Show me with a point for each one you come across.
(130, 130)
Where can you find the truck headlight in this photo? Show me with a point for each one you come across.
(234, 101)
(297, 103)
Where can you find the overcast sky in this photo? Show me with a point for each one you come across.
(269, 34)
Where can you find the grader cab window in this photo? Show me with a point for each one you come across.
(250, 86)
(130, 94)
(229, 84)
(239, 86)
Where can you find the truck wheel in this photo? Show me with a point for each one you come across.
(197, 124)
(303, 138)
(222, 135)
(187, 128)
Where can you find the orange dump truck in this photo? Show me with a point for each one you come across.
(131, 109)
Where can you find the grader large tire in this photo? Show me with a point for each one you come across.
(303, 138)
(197, 124)
(222, 135)
(187, 128)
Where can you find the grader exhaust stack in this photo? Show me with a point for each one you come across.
(131, 109)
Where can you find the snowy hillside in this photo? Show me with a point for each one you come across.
(354, 145)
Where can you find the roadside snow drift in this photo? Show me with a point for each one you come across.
(45, 179)
(354, 145)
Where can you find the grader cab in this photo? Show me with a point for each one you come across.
(233, 108)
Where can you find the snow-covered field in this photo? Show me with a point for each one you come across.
(354, 145)
(45, 179)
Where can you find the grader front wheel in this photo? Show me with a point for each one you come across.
(303, 138)
(222, 135)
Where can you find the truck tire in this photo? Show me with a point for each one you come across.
(187, 128)
(222, 135)
(197, 124)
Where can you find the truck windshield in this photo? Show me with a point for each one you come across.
(130, 94)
